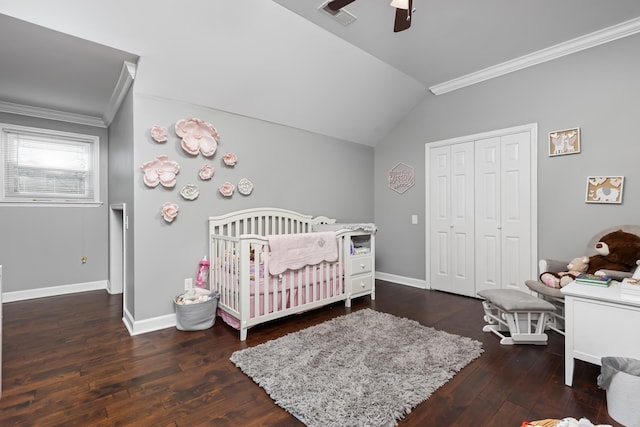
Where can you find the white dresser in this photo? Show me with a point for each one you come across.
(599, 322)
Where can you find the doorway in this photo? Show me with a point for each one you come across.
(118, 224)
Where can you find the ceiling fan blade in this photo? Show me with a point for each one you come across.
(403, 18)
(336, 5)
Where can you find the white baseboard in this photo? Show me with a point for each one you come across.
(161, 322)
(148, 325)
(408, 281)
(54, 291)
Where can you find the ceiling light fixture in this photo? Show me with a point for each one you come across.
(400, 4)
(404, 10)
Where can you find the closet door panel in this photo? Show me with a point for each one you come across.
(488, 210)
(452, 226)
(516, 210)
(462, 219)
(440, 183)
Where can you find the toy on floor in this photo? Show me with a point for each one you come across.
(577, 266)
(565, 422)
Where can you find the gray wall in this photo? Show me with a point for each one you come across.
(597, 90)
(42, 246)
(290, 169)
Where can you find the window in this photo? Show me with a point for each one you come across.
(49, 167)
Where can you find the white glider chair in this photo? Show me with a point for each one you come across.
(555, 320)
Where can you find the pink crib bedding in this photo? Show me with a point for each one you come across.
(289, 289)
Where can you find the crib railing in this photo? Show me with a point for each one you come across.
(240, 273)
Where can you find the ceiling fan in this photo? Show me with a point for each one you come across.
(404, 9)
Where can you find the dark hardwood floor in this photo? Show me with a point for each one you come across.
(69, 361)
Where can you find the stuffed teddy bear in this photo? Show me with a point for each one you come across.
(617, 250)
(577, 266)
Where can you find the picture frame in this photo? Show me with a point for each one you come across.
(563, 142)
(604, 189)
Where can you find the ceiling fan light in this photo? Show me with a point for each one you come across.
(400, 4)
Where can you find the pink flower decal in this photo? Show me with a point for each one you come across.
(169, 211)
(230, 159)
(197, 137)
(159, 134)
(226, 189)
(160, 171)
(206, 172)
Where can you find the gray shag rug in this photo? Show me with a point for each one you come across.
(365, 368)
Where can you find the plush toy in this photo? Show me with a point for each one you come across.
(577, 266)
(617, 250)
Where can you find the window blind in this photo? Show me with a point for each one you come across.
(40, 166)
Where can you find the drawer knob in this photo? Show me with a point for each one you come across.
(362, 266)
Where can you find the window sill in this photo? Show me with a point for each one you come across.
(52, 204)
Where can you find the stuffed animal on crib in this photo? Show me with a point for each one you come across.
(577, 266)
(617, 250)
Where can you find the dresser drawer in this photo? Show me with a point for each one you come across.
(360, 265)
(361, 284)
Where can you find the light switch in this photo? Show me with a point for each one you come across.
(414, 219)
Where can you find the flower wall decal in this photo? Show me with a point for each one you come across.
(206, 172)
(226, 189)
(190, 192)
(245, 187)
(169, 211)
(159, 134)
(197, 136)
(230, 159)
(160, 171)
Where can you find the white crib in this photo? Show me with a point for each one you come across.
(239, 270)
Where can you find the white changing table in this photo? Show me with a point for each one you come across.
(599, 322)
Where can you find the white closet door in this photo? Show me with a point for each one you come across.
(516, 210)
(503, 212)
(487, 197)
(452, 223)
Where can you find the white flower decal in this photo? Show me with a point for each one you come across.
(206, 172)
(197, 137)
(160, 171)
(159, 134)
(169, 211)
(245, 187)
(190, 192)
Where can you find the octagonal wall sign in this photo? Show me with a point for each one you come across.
(401, 178)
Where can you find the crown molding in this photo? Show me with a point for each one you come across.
(46, 113)
(587, 41)
(127, 75)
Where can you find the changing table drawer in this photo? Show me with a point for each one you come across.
(361, 284)
(360, 264)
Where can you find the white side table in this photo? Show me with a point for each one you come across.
(599, 322)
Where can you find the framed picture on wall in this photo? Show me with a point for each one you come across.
(604, 189)
(563, 142)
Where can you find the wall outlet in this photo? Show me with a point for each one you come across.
(414, 219)
(188, 284)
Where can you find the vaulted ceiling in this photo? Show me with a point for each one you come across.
(284, 61)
